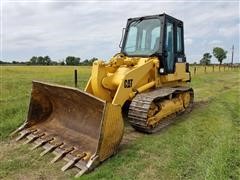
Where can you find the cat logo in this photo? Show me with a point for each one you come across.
(128, 83)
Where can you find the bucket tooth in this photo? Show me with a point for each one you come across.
(61, 154)
(41, 142)
(50, 148)
(82, 171)
(73, 161)
(19, 129)
(24, 133)
(33, 137)
(83, 166)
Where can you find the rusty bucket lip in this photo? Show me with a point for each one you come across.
(67, 87)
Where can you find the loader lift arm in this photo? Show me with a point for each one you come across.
(133, 81)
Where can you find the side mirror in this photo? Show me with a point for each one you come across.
(123, 32)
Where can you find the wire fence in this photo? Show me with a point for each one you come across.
(200, 69)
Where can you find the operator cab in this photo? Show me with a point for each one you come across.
(158, 35)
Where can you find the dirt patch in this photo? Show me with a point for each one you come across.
(221, 80)
(130, 135)
(17, 161)
(226, 87)
(6, 147)
(202, 103)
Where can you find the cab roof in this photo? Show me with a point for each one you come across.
(156, 16)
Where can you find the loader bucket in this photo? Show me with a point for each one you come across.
(76, 126)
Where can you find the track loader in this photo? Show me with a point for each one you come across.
(148, 81)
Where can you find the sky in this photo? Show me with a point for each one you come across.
(94, 29)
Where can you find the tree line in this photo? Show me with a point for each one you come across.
(70, 60)
(46, 60)
(219, 53)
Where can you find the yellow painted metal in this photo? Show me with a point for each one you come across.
(111, 131)
(123, 77)
(166, 108)
(179, 74)
(135, 72)
(112, 80)
(138, 78)
(108, 80)
(98, 73)
(146, 86)
(186, 99)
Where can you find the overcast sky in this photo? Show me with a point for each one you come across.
(93, 29)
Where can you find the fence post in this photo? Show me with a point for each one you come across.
(205, 69)
(219, 68)
(195, 69)
(224, 68)
(75, 77)
(213, 68)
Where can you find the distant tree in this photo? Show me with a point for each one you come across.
(87, 62)
(19, 62)
(220, 54)
(62, 63)
(28, 63)
(92, 60)
(71, 60)
(3, 62)
(206, 59)
(33, 60)
(40, 60)
(46, 60)
(54, 63)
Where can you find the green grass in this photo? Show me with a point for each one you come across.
(201, 145)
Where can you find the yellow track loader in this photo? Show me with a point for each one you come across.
(148, 81)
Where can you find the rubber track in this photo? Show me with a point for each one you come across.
(139, 107)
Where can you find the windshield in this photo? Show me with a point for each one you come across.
(143, 37)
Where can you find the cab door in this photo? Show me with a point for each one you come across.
(169, 52)
(173, 44)
(179, 52)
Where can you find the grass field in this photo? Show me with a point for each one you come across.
(201, 145)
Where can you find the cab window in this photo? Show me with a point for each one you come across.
(179, 40)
